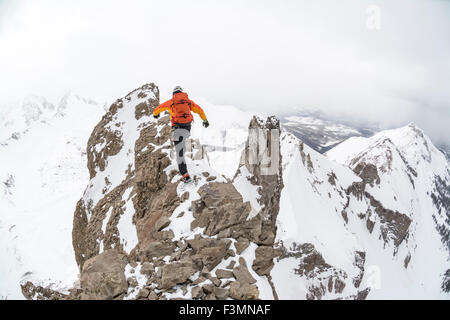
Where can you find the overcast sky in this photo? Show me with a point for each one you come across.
(386, 61)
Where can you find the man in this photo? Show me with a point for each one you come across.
(180, 107)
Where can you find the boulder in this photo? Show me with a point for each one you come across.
(143, 293)
(263, 262)
(132, 282)
(184, 196)
(161, 223)
(211, 257)
(217, 194)
(209, 251)
(242, 274)
(103, 276)
(231, 265)
(200, 243)
(243, 291)
(197, 292)
(152, 296)
(220, 207)
(156, 249)
(208, 288)
(215, 281)
(210, 296)
(199, 280)
(147, 268)
(241, 245)
(222, 274)
(176, 273)
(221, 293)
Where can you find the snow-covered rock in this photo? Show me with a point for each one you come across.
(135, 204)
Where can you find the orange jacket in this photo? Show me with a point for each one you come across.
(168, 106)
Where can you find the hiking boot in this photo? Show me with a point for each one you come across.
(186, 178)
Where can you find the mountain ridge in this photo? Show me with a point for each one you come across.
(311, 229)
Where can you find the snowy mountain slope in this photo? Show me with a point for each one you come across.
(17, 117)
(42, 171)
(310, 213)
(407, 174)
(319, 133)
(328, 206)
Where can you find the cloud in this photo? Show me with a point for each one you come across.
(274, 57)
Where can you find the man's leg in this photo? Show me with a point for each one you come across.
(179, 138)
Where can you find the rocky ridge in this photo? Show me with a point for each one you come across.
(206, 261)
(288, 220)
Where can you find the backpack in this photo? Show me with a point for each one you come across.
(181, 108)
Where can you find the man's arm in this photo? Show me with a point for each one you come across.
(197, 109)
(162, 107)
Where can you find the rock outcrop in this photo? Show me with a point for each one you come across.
(219, 208)
(103, 278)
(124, 230)
(143, 155)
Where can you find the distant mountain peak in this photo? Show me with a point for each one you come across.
(73, 99)
(34, 108)
(319, 133)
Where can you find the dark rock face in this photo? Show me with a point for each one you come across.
(152, 212)
(86, 230)
(360, 260)
(8, 184)
(312, 265)
(368, 172)
(266, 169)
(221, 206)
(263, 262)
(112, 140)
(441, 200)
(394, 226)
(332, 178)
(153, 196)
(446, 281)
(262, 159)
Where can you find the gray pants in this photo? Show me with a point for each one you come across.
(180, 135)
